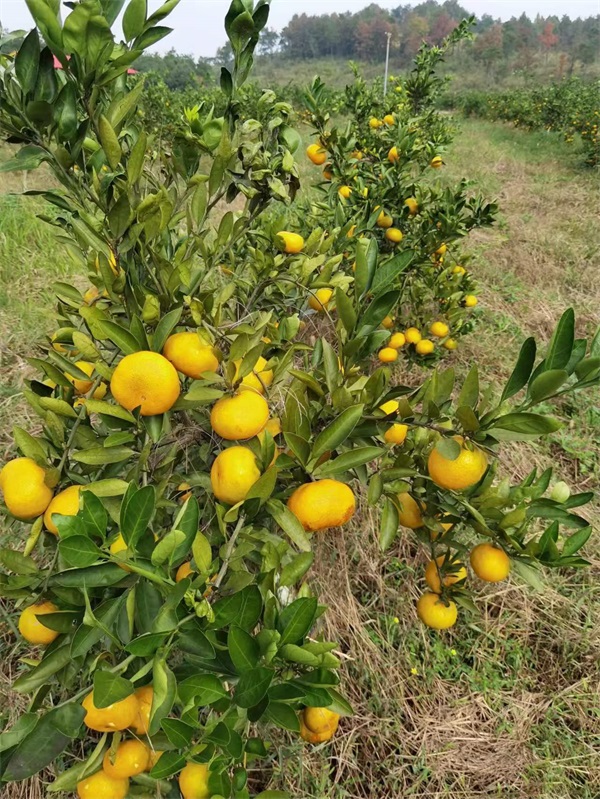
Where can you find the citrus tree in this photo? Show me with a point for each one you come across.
(194, 437)
(377, 183)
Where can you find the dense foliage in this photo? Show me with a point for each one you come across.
(571, 108)
(205, 409)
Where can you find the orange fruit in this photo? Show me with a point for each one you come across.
(393, 155)
(190, 354)
(397, 341)
(117, 716)
(432, 577)
(471, 301)
(319, 300)
(391, 406)
(32, 629)
(83, 386)
(145, 380)
(384, 220)
(435, 613)
(233, 474)
(144, 696)
(436, 162)
(396, 434)
(316, 154)
(101, 786)
(130, 759)
(387, 322)
(239, 417)
(293, 242)
(394, 235)
(459, 474)
(193, 781)
(387, 355)
(490, 563)
(412, 205)
(65, 503)
(424, 347)
(439, 329)
(412, 335)
(183, 571)
(322, 504)
(344, 192)
(23, 486)
(257, 379)
(450, 344)
(409, 511)
(389, 120)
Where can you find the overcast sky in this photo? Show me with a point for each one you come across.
(198, 24)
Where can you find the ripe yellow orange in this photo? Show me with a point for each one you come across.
(394, 235)
(435, 613)
(412, 205)
(144, 696)
(130, 759)
(397, 341)
(351, 232)
(319, 300)
(409, 511)
(375, 123)
(432, 577)
(154, 758)
(101, 786)
(327, 173)
(450, 344)
(459, 270)
(439, 329)
(389, 120)
(293, 242)
(387, 322)
(387, 355)
(384, 220)
(316, 154)
(83, 386)
(187, 494)
(357, 154)
(441, 250)
(191, 354)
(233, 474)
(117, 716)
(183, 571)
(319, 719)
(490, 563)
(322, 504)
(66, 503)
(412, 335)
(273, 426)
(470, 300)
(119, 547)
(239, 417)
(23, 486)
(393, 155)
(258, 379)
(391, 406)
(396, 434)
(459, 474)
(145, 380)
(344, 192)
(424, 347)
(193, 781)
(436, 162)
(32, 629)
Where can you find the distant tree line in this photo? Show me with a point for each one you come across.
(362, 36)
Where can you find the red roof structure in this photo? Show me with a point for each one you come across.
(58, 65)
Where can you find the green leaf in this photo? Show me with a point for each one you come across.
(110, 688)
(178, 732)
(106, 614)
(241, 30)
(345, 309)
(110, 142)
(78, 551)
(65, 112)
(202, 552)
(289, 523)
(100, 576)
(388, 527)
(168, 764)
(100, 456)
(381, 307)
(136, 160)
(28, 157)
(296, 620)
(165, 690)
(448, 448)
(186, 522)
(27, 62)
(19, 730)
(204, 689)
(50, 664)
(16, 562)
(547, 383)
(283, 716)
(469, 393)
(124, 340)
(136, 513)
(164, 328)
(243, 649)
(561, 344)
(338, 431)
(122, 106)
(387, 273)
(47, 22)
(146, 644)
(253, 686)
(42, 746)
(522, 370)
(165, 549)
(574, 542)
(107, 409)
(531, 423)
(366, 263)
(243, 608)
(349, 460)
(134, 19)
(29, 446)
(293, 571)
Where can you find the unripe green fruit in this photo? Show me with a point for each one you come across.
(560, 492)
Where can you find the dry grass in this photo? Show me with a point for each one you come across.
(506, 705)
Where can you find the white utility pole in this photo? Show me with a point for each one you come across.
(387, 62)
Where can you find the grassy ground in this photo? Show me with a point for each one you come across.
(507, 705)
